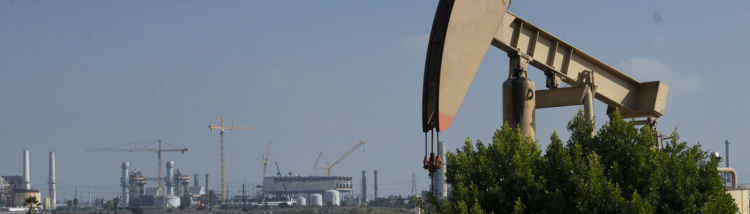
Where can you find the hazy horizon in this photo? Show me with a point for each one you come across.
(319, 76)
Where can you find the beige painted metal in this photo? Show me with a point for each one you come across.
(730, 171)
(570, 96)
(550, 54)
(741, 196)
(527, 122)
(461, 34)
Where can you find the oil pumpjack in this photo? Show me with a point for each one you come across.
(462, 31)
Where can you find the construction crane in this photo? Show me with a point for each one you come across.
(143, 149)
(282, 179)
(338, 161)
(265, 160)
(223, 127)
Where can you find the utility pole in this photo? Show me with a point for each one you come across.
(89, 192)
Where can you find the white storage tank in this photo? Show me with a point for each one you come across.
(301, 201)
(316, 200)
(331, 196)
(167, 201)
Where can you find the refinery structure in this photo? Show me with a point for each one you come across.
(177, 188)
(16, 188)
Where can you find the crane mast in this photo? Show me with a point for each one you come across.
(266, 157)
(222, 127)
(337, 161)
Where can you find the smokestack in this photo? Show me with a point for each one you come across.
(170, 177)
(195, 184)
(726, 175)
(52, 186)
(376, 184)
(125, 199)
(26, 178)
(441, 190)
(364, 187)
(206, 183)
(727, 155)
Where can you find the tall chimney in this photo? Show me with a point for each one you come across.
(26, 178)
(364, 187)
(195, 184)
(170, 177)
(125, 199)
(206, 183)
(727, 155)
(726, 175)
(442, 187)
(52, 186)
(376, 184)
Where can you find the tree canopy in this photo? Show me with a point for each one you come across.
(618, 170)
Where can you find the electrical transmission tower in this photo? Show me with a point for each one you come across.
(413, 183)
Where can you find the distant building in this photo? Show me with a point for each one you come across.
(7, 184)
(296, 186)
(19, 195)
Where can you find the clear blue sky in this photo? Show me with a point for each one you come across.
(314, 76)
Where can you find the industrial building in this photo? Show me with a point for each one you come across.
(277, 187)
(15, 188)
(177, 192)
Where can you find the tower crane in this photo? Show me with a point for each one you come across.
(265, 160)
(142, 149)
(222, 127)
(338, 161)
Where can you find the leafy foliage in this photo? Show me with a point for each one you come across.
(616, 171)
(31, 201)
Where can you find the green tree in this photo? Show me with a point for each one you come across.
(116, 203)
(75, 204)
(31, 201)
(616, 171)
(70, 203)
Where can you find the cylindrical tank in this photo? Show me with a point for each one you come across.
(316, 200)
(167, 201)
(170, 177)
(331, 196)
(301, 201)
(519, 102)
(125, 183)
(206, 187)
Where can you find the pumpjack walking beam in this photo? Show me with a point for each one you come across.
(463, 30)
